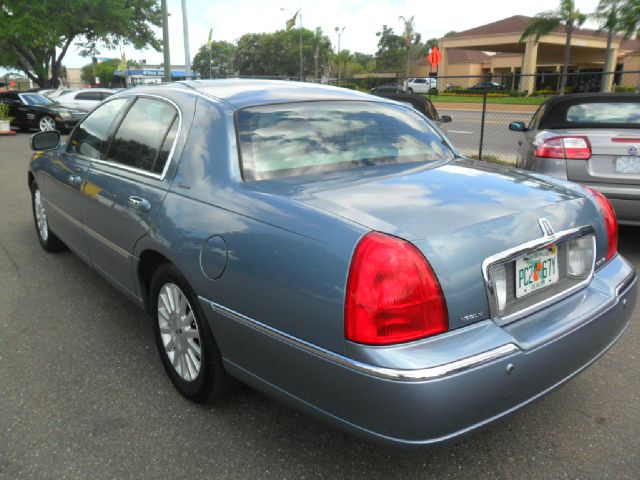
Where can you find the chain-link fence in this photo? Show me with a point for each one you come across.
(483, 106)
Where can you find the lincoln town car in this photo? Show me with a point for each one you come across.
(334, 250)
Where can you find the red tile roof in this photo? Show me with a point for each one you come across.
(518, 23)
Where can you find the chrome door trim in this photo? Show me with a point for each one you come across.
(128, 168)
(400, 375)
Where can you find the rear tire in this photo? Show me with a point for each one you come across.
(187, 348)
(48, 240)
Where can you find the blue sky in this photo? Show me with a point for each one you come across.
(231, 19)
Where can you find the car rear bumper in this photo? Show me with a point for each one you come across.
(433, 402)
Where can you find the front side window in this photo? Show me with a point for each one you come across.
(145, 136)
(35, 99)
(605, 113)
(315, 137)
(90, 136)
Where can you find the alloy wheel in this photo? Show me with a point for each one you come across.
(179, 332)
(41, 215)
(46, 124)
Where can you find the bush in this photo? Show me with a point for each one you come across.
(625, 89)
(350, 86)
(4, 112)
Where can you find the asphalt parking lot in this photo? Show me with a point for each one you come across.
(83, 393)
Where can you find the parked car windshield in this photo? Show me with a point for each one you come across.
(614, 112)
(314, 137)
(35, 99)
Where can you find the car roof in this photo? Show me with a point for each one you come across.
(555, 113)
(242, 93)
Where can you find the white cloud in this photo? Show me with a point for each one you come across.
(231, 19)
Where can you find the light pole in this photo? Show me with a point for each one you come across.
(339, 32)
(185, 32)
(299, 12)
(165, 42)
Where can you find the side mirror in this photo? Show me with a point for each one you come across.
(446, 119)
(45, 140)
(517, 127)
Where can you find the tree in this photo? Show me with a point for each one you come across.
(616, 16)
(546, 22)
(35, 35)
(390, 50)
(408, 37)
(104, 71)
(431, 43)
(277, 54)
(221, 56)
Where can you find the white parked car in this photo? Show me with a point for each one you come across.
(84, 99)
(54, 94)
(420, 85)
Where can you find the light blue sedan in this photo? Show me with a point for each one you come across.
(333, 250)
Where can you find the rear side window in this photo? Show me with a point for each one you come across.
(89, 96)
(605, 113)
(90, 136)
(145, 136)
(314, 137)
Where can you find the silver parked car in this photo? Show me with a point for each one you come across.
(333, 249)
(592, 139)
(84, 99)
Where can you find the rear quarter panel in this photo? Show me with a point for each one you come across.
(286, 263)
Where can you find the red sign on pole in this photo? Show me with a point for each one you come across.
(435, 57)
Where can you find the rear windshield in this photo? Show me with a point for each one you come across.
(605, 113)
(314, 137)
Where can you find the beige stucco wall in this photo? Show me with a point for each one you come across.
(631, 63)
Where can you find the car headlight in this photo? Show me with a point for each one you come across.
(65, 114)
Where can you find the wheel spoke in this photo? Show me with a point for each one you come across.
(194, 348)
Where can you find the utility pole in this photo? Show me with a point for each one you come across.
(185, 32)
(339, 32)
(165, 42)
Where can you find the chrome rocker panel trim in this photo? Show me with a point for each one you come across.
(404, 375)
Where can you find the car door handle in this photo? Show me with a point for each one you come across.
(75, 180)
(139, 204)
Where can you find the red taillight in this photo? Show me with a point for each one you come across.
(572, 148)
(392, 294)
(626, 140)
(610, 222)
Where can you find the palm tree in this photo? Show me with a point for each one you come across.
(408, 36)
(616, 16)
(544, 23)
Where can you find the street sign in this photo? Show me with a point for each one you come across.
(435, 57)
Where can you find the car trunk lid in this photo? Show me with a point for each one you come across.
(457, 214)
(615, 157)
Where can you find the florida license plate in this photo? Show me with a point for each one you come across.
(627, 164)
(537, 270)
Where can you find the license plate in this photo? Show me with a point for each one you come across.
(536, 271)
(627, 164)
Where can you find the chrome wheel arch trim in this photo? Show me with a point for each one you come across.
(400, 375)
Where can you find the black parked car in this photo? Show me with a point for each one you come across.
(33, 110)
(488, 86)
(388, 87)
(419, 102)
